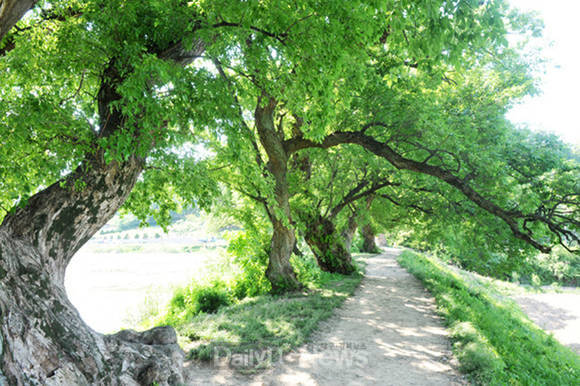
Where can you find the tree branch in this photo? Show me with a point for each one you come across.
(11, 11)
(400, 162)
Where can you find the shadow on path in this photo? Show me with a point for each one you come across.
(386, 334)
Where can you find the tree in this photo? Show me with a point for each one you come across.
(326, 202)
(297, 93)
(78, 129)
(398, 111)
(96, 98)
(102, 104)
(368, 233)
(273, 79)
(440, 219)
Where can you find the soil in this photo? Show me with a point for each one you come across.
(386, 334)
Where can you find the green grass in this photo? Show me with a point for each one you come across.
(494, 341)
(266, 323)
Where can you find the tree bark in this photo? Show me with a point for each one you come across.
(368, 234)
(279, 272)
(328, 247)
(11, 11)
(45, 342)
(349, 231)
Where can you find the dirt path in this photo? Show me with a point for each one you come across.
(558, 313)
(386, 334)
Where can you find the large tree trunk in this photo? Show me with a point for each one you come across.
(328, 247)
(279, 272)
(368, 234)
(43, 339)
(45, 342)
(349, 231)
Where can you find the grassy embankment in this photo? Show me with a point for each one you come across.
(211, 321)
(492, 338)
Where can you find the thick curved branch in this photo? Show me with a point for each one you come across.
(280, 36)
(11, 11)
(356, 194)
(383, 150)
(412, 206)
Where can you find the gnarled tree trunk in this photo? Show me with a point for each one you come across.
(279, 271)
(328, 247)
(349, 231)
(44, 340)
(368, 234)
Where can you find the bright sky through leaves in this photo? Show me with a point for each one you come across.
(556, 109)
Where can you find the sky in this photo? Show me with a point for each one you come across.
(557, 109)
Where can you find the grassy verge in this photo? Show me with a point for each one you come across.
(493, 339)
(261, 324)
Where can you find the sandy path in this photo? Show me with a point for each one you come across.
(386, 334)
(558, 313)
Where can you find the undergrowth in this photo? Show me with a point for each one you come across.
(232, 312)
(493, 340)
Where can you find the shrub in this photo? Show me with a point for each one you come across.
(249, 253)
(307, 270)
(194, 299)
(559, 266)
(211, 299)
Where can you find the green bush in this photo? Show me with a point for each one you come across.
(559, 266)
(195, 299)
(211, 299)
(357, 243)
(249, 253)
(307, 270)
(473, 254)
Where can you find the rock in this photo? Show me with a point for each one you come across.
(159, 335)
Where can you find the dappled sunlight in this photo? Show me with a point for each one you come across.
(387, 332)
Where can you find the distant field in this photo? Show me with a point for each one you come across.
(108, 283)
